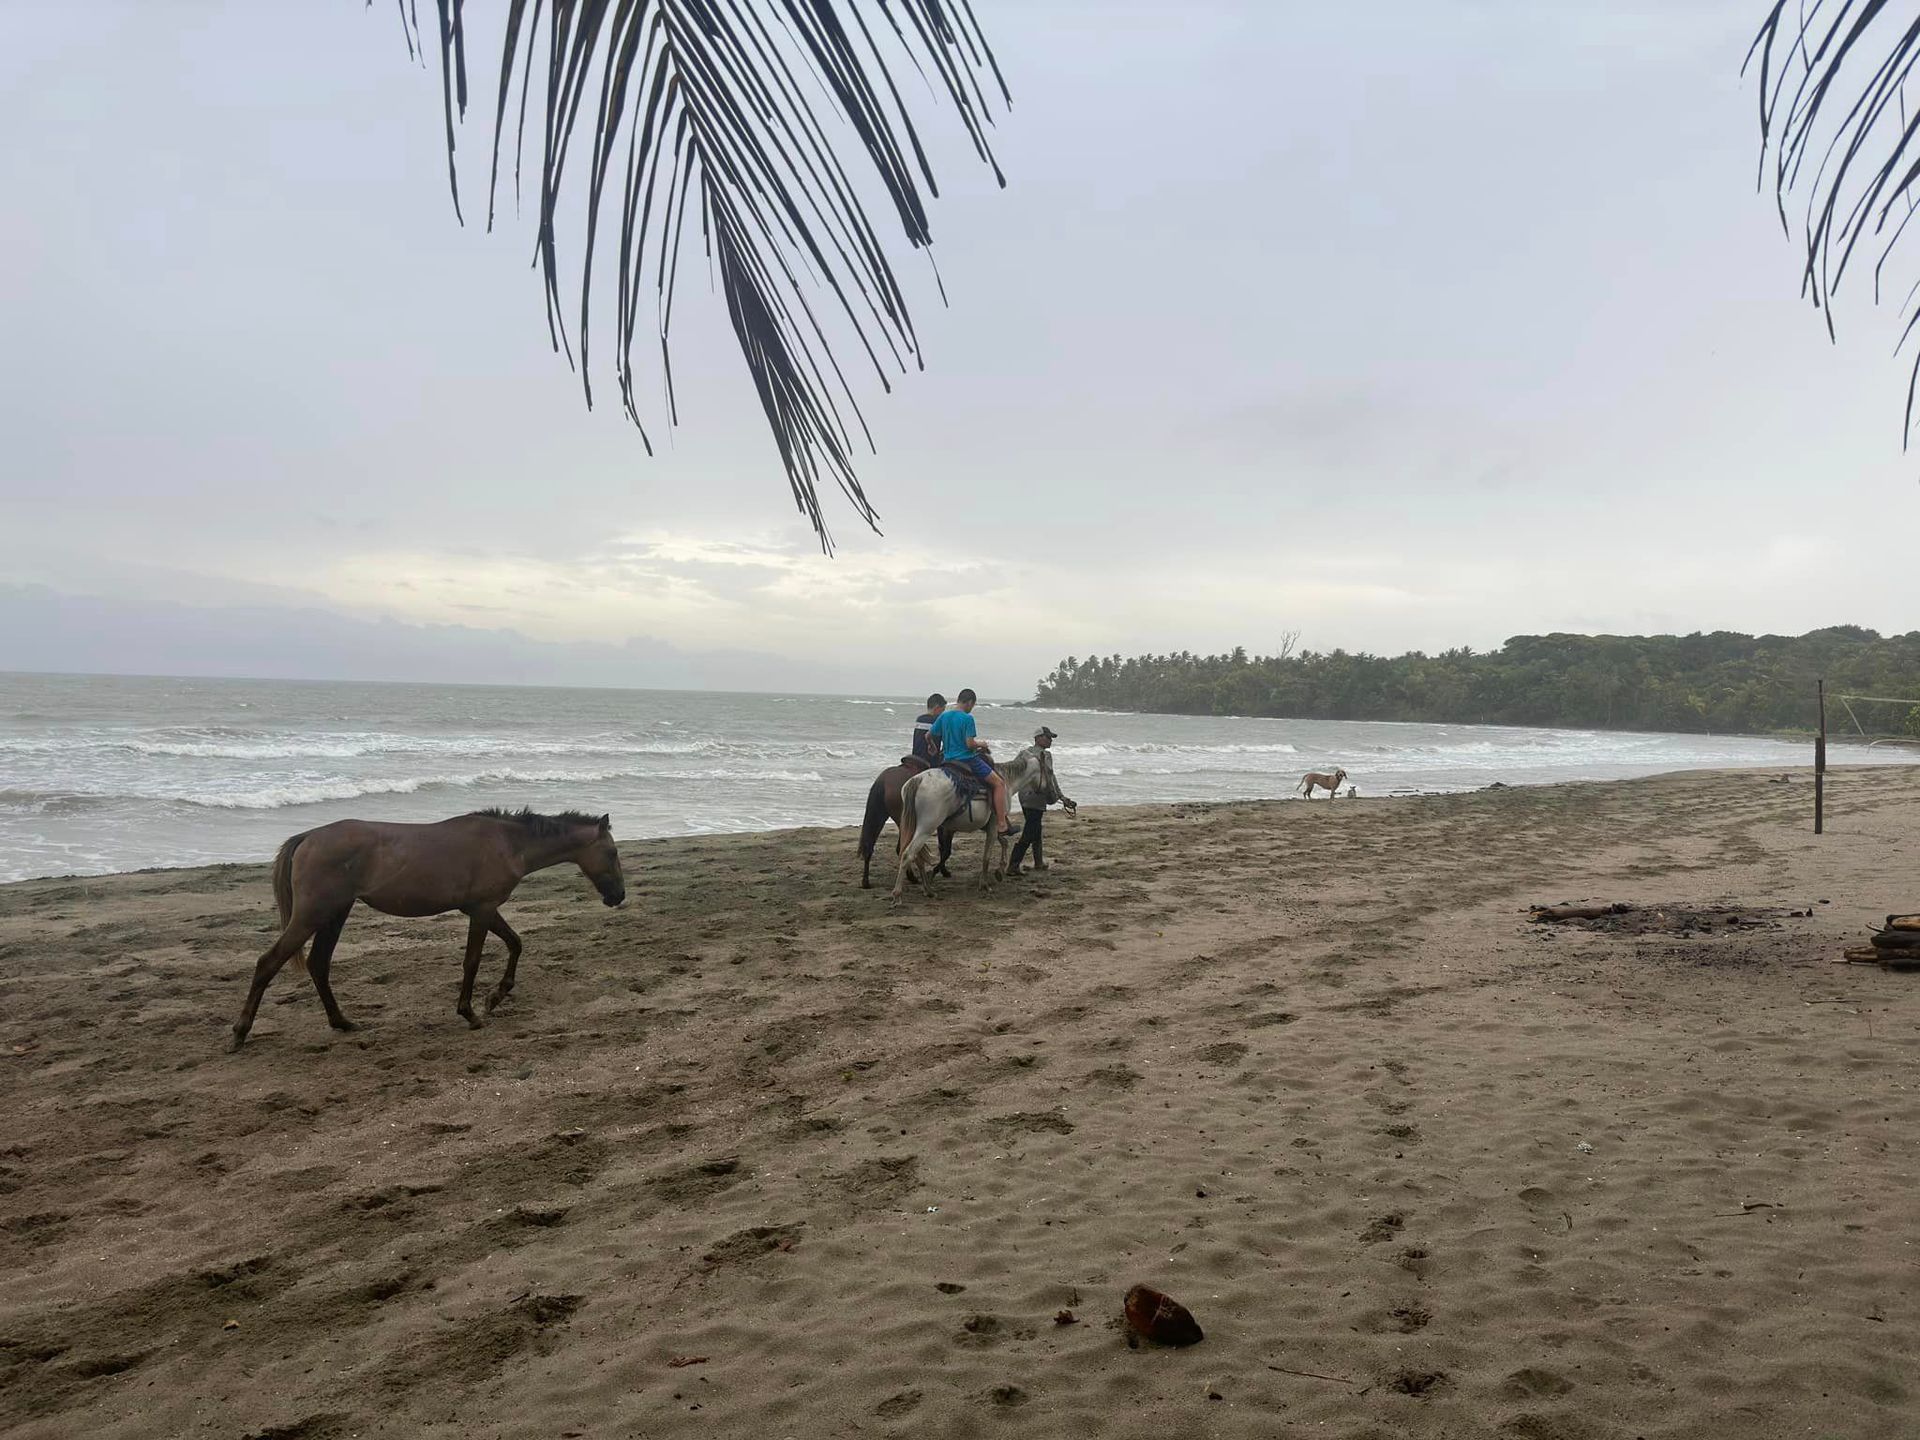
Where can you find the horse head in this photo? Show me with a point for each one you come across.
(1021, 770)
(599, 861)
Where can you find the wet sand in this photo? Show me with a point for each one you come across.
(757, 1156)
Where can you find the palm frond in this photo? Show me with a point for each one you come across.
(762, 124)
(1836, 125)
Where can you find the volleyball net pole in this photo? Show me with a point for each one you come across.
(1910, 703)
(1820, 765)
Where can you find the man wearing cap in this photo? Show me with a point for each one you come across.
(1035, 796)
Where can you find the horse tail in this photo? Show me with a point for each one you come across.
(283, 889)
(909, 794)
(876, 818)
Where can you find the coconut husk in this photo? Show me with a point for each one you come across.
(1160, 1318)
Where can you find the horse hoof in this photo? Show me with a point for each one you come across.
(239, 1039)
(344, 1025)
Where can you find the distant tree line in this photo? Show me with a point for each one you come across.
(1719, 682)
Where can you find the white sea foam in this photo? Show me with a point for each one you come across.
(119, 774)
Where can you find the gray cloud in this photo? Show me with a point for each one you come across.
(1406, 325)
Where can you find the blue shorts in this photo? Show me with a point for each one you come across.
(973, 765)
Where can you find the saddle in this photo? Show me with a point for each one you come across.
(914, 763)
(967, 787)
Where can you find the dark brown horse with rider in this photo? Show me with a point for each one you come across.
(470, 863)
(883, 799)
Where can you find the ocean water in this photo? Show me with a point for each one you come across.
(104, 773)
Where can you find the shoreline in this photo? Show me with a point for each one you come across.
(1801, 774)
(759, 1154)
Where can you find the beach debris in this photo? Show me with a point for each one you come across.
(1555, 914)
(680, 1362)
(1311, 1375)
(1584, 1148)
(1896, 946)
(23, 1047)
(1684, 919)
(1160, 1318)
(231, 1325)
(1065, 1317)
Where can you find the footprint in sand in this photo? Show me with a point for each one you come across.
(1227, 1052)
(752, 1243)
(1530, 1383)
(1409, 1318)
(1384, 1228)
(1026, 1121)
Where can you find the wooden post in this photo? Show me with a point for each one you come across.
(1820, 766)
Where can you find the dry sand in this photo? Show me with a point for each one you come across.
(758, 1157)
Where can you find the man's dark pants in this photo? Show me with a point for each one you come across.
(1028, 836)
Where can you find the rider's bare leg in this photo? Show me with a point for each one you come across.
(999, 790)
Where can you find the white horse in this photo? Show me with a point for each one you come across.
(927, 800)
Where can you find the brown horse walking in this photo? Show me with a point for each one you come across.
(883, 804)
(470, 863)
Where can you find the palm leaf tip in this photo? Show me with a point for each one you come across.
(1836, 127)
(760, 125)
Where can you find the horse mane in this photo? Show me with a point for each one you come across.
(536, 824)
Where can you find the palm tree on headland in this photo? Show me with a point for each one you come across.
(667, 116)
(1835, 123)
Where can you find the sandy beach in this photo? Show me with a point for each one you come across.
(758, 1156)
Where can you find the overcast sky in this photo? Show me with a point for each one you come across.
(1407, 325)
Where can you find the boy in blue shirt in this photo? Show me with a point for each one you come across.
(964, 750)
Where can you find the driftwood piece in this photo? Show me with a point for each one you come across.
(1862, 955)
(1896, 940)
(1557, 913)
(1903, 922)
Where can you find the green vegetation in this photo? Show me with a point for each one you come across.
(1720, 682)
